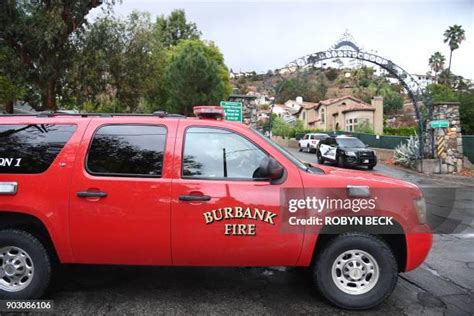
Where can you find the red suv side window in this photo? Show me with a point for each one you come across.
(127, 150)
(31, 148)
(227, 155)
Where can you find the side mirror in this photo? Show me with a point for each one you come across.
(269, 169)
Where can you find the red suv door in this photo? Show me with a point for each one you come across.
(221, 214)
(120, 196)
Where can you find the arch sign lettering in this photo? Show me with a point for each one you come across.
(346, 48)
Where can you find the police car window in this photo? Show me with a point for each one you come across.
(127, 150)
(350, 142)
(216, 154)
(31, 148)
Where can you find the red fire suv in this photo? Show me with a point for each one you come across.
(174, 191)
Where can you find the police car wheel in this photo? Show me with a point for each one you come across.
(340, 162)
(300, 148)
(356, 271)
(25, 266)
(320, 158)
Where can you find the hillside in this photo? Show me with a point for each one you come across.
(316, 84)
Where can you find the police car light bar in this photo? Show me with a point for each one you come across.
(209, 112)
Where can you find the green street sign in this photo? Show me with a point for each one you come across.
(232, 111)
(439, 124)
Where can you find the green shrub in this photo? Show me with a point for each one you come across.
(331, 74)
(364, 127)
(400, 131)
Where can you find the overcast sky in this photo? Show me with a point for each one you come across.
(262, 35)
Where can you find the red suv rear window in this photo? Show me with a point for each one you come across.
(31, 148)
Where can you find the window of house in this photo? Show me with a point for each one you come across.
(227, 155)
(349, 125)
(322, 114)
(127, 150)
(303, 115)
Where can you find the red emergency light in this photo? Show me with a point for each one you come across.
(209, 112)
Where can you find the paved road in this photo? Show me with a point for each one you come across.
(443, 285)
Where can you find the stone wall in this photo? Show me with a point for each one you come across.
(285, 142)
(249, 108)
(448, 141)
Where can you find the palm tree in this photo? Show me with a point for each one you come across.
(454, 35)
(436, 62)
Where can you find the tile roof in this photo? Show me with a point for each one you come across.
(358, 107)
(335, 100)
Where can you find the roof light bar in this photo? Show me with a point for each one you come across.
(209, 112)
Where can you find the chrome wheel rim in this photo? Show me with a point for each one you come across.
(355, 272)
(16, 269)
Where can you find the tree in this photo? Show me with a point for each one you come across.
(392, 98)
(466, 112)
(175, 28)
(118, 66)
(436, 63)
(445, 77)
(454, 35)
(9, 92)
(392, 101)
(280, 127)
(196, 75)
(38, 32)
(442, 93)
(312, 90)
(12, 86)
(331, 74)
(445, 93)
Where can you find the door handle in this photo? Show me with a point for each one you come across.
(194, 198)
(91, 194)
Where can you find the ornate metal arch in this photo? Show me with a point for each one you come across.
(346, 48)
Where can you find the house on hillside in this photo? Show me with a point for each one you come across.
(344, 113)
(284, 112)
(294, 105)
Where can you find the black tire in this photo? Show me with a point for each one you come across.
(41, 263)
(374, 246)
(370, 167)
(320, 158)
(340, 162)
(308, 148)
(299, 147)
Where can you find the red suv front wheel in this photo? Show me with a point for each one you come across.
(356, 271)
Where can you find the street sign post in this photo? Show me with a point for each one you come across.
(232, 111)
(439, 124)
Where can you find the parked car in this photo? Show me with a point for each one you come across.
(158, 190)
(346, 152)
(310, 141)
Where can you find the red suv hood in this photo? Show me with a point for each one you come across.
(337, 177)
